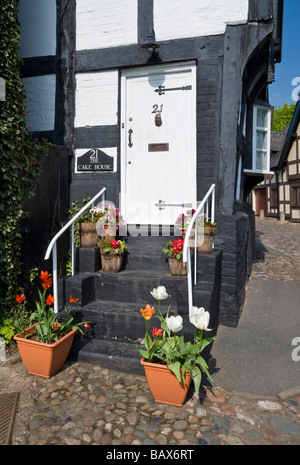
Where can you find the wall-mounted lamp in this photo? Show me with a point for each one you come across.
(151, 45)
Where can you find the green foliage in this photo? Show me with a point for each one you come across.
(107, 245)
(20, 155)
(282, 116)
(7, 329)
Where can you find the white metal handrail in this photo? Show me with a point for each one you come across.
(53, 245)
(186, 257)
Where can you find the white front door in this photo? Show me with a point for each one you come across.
(158, 143)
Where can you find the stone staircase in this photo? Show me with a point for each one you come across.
(111, 302)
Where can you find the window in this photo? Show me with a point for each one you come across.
(261, 138)
(274, 197)
(295, 197)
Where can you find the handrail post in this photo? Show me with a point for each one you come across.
(204, 205)
(53, 248)
(189, 276)
(73, 250)
(54, 275)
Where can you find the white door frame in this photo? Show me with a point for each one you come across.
(145, 71)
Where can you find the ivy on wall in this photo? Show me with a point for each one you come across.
(20, 155)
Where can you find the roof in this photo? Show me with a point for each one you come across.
(277, 141)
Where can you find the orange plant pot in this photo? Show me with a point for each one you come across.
(42, 359)
(164, 385)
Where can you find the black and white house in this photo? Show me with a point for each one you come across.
(158, 100)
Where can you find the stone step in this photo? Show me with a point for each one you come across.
(115, 355)
(119, 320)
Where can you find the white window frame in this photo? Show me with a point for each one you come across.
(255, 171)
(267, 130)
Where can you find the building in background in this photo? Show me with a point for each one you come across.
(279, 196)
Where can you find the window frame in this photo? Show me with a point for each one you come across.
(273, 197)
(293, 195)
(267, 130)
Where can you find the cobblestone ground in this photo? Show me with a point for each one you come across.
(282, 257)
(85, 404)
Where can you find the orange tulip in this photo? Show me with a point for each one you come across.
(45, 275)
(50, 300)
(147, 312)
(20, 298)
(47, 283)
(72, 300)
(87, 326)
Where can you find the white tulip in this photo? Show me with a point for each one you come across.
(174, 323)
(159, 293)
(200, 318)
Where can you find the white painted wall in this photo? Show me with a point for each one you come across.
(105, 23)
(38, 27)
(96, 98)
(174, 19)
(40, 101)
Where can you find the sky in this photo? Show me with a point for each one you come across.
(286, 87)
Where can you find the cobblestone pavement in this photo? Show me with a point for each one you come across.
(282, 258)
(85, 404)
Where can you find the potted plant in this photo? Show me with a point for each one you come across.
(206, 234)
(109, 220)
(112, 254)
(85, 233)
(174, 251)
(45, 344)
(170, 363)
(206, 230)
(183, 221)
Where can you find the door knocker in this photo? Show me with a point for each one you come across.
(158, 120)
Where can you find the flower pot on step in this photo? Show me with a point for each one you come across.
(87, 234)
(42, 359)
(107, 229)
(163, 384)
(110, 261)
(205, 239)
(177, 267)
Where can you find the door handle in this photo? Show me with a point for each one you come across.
(130, 132)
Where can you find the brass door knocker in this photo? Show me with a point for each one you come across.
(158, 120)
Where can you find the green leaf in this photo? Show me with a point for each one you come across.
(176, 369)
(196, 377)
(148, 342)
(144, 353)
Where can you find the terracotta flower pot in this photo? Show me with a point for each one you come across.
(163, 384)
(42, 359)
(177, 267)
(110, 261)
(87, 234)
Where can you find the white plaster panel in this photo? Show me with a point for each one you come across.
(105, 23)
(175, 19)
(287, 193)
(111, 151)
(293, 152)
(38, 27)
(40, 101)
(96, 98)
(281, 192)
